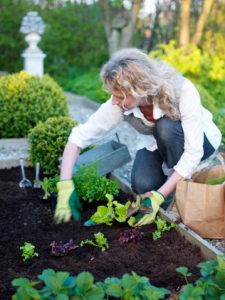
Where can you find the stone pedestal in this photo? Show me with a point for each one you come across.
(33, 56)
(34, 62)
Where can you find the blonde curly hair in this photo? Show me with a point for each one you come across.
(133, 72)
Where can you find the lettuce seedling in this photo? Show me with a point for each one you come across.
(28, 251)
(62, 249)
(112, 210)
(100, 241)
(128, 235)
(161, 227)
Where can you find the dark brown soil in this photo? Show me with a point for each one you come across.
(25, 217)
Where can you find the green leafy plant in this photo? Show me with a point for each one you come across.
(92, 187)
(26, 100)
(60, 285)
(215, 181)
(100, 241)
(105, 214)
(47, 142)
(49, 186)
(88, 184)
(131, 287)
(211, 284)
(161, 227)
(28, 251)
(184, 271)
(25, 289)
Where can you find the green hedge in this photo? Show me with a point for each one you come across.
(25, 100)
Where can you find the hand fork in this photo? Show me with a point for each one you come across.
(24, 183)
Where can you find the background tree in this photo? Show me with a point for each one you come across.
(184, 34)
(120, 22)
(185, 11)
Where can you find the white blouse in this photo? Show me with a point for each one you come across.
(195, 121)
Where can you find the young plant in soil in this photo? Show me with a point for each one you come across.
(58, 285)
(211, 284)
(49, 186)
(100, 241)
(132, 286)
(105, 214)
(161, 227)
(62, 249)
(28, 251)
(129, 235)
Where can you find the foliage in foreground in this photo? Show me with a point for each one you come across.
(60, 285)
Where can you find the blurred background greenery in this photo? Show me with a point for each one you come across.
(81, 35)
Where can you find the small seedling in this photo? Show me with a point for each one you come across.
(62, 249)
(129, 235)
(105, 214)
(28, 251)
(161, 227)
(100, 241)
(184, 271)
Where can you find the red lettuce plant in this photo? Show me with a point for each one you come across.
(60, 249)
(128, 235)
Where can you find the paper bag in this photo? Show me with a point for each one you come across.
(202, 206)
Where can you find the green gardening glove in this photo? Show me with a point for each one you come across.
(68, 202)
(149, 206)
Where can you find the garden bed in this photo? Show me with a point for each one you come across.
(25, 217)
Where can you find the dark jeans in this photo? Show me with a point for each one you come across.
(147, 171)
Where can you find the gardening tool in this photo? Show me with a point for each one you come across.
(36, 183)
(24, 183)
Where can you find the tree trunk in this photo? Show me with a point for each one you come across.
(207, 5)
(184, 34)
(120, 24)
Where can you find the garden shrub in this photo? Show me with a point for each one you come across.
(47, 142)
(207, 100)
(25, 100)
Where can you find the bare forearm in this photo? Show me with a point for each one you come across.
(170, 185)
(70, 155)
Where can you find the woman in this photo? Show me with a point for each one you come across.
(176, 131)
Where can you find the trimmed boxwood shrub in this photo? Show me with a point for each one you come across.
(47, 141)
(25, 100)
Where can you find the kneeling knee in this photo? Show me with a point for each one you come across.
(140, 186)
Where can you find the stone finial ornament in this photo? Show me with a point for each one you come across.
(31, 23)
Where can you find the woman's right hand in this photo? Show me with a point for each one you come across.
(68, 202)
